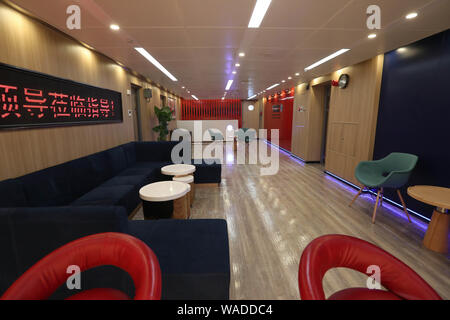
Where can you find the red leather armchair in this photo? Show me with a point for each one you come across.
(120, 250)
(335, 251)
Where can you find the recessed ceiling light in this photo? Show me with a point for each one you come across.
(332, 56)
(297, 74)
(283, 81)
(250, 98)
(182, 87)
(114, 27)
(258, 13)
(189, 91)
(242, 54)
(271, 87)
(411, 15)
(372, 36)
(194, 97)
(237, 65)
(155, 62)
(230, 82)
(234, 72)
(290, 78)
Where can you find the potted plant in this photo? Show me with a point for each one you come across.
(164, 116)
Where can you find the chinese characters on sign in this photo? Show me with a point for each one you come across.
(30, 99)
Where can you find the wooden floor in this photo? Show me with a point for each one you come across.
(271, 219)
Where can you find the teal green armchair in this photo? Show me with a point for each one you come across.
(246, 135)
(390, 172)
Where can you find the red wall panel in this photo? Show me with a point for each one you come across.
(280, 120)
(230, 109)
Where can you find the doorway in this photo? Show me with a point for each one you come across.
(136, 109)
(326, 108)
(163, 101)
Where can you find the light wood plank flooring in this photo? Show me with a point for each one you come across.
(271, 219)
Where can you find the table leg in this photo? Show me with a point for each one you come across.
(436, 238)
(180, 208)
(192, 193)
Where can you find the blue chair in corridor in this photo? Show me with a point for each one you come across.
(392, 171)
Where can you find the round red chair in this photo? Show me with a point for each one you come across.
(117, 249)
(336, 251)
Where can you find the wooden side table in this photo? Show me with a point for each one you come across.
(178, 170)
(191, 195)
(165, 200)
(436, 238)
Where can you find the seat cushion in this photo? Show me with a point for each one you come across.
(12, 194)
(363, 294)
(193, 255)
(130, 153)
(135, 172)
(153, 169)
(123, 195)
(154, 151)
(82, 176)
(117, 159)
(48, 187)
(137, 181)
(101, 167)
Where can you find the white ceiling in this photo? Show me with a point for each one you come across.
(198, 41)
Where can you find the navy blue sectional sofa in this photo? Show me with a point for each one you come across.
(108, 178)
(44, 210)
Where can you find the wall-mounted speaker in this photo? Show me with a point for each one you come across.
(148, 93)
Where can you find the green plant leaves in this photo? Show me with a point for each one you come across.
(164, 116)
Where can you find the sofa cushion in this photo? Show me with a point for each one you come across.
(130, 153)
(152, 170)
(137, 181)
(12, 194)
(82, 176)
(135, 172)
(101, 166)
(154, 151)
(117, 160)
(48, 187)
(207, 173)
(193, 255)
(124, 195)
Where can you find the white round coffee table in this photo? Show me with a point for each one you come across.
(178, 170)
(189, 180)
(165, 200)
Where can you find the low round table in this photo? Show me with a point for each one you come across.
(178, 170)
(165, 200)
(189, 180)
(436, 238)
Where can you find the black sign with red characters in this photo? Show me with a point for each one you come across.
(30, 99)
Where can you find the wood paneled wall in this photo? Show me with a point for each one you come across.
(353, 117)
(29, 44)
(250, 119)
(351, 121)
(308, 122)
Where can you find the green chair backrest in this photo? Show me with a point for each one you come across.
(403, 164)
(399, 162)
